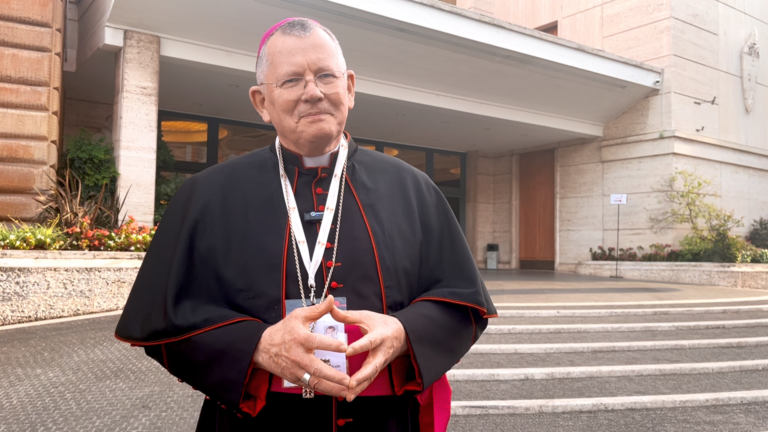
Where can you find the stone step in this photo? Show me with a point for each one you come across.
(607, 305)
(549, 373)
(591, 328)
(618, 358)
(621, 319)
(615, 346)
(593, 387)
(632, 304)
(670, 335)
(752, 417)
(634, 312)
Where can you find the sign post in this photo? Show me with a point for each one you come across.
(618, 200)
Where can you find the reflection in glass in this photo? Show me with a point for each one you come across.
(447, 170)
(239, 140)
(414, 158)
(166, 185)
(187, 139)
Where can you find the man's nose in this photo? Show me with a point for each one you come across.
(311, 91)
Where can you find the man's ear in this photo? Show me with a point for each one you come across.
(259, 101)
(351, 88)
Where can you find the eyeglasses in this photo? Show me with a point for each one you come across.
(326, 82)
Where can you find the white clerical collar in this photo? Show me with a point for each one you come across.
(317, 161)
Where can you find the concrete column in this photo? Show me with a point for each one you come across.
(30, 88)
(135, 123)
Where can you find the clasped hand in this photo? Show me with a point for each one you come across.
(287, 348)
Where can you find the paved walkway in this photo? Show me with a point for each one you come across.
(74, 376)
(538, 286)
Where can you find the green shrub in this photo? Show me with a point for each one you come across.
(92, 160)
(758, 234)
(165, 185)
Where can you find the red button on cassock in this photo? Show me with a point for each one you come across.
(328, 245)
(334, 285)
(341, 422)
(319, 190)
(329, 264)
(321, 208)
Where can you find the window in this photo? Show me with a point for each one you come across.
(550, 28)
(193, 143)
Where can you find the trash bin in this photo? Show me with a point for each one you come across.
(492, 256)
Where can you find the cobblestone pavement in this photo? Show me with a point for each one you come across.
(75, 376)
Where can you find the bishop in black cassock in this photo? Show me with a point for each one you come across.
(221, 266)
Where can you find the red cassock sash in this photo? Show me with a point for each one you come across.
(435, 400)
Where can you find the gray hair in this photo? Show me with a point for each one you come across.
(301, 27)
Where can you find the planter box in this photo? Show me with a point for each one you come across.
(40, 285)
(751, 276)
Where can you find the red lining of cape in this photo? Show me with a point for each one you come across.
(483, 310)
(186, 335)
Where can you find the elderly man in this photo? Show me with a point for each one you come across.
(247, 241)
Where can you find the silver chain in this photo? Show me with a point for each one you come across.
(293, 236)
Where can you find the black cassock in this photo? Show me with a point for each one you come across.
(221, 265)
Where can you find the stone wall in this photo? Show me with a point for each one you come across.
(30, 91)
(747, 276)
(45, 285)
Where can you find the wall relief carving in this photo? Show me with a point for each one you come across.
(750, 64)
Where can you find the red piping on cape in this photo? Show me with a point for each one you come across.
(483, 310)
(285, 247)
(165, 358)
(184, 336)
(474, 329)
(373, 243)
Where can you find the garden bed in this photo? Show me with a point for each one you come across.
(41, 285)
(749, 276)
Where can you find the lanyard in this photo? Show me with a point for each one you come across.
(312, 262)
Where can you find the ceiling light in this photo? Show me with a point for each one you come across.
(456, 170)
(391, 152)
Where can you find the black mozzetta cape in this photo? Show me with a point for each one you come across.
(220, 267)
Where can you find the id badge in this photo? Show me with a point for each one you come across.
(327, 327)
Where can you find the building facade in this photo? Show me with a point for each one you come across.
(527, 114)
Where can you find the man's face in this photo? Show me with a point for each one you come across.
(309, 116)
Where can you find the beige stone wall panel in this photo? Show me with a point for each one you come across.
(692, 79)
(25, 67)
(24, 124)
(579, 154)
(640, 149)
(581, 213)
(622, 15)
(731, 37)
(542, 12)
(642, 43)
(574, 245)
(757, 9)
(22, 36)
(758, 185)
(572, 7)
(580, 180)
(27, 152)
(695, 44)
(25, 97)
(700, 13)
(585, 27)
(757, 120)
(695, 116)
(649, 115)
(85, 114)
(708, 169)
(16, 178)
(636, 175)
(733, 114)
(634, 215)
(734, 181)
(34, 12)
(18, 206)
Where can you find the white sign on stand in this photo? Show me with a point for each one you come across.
(618, 199)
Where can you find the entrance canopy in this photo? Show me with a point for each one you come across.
(429, 74)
